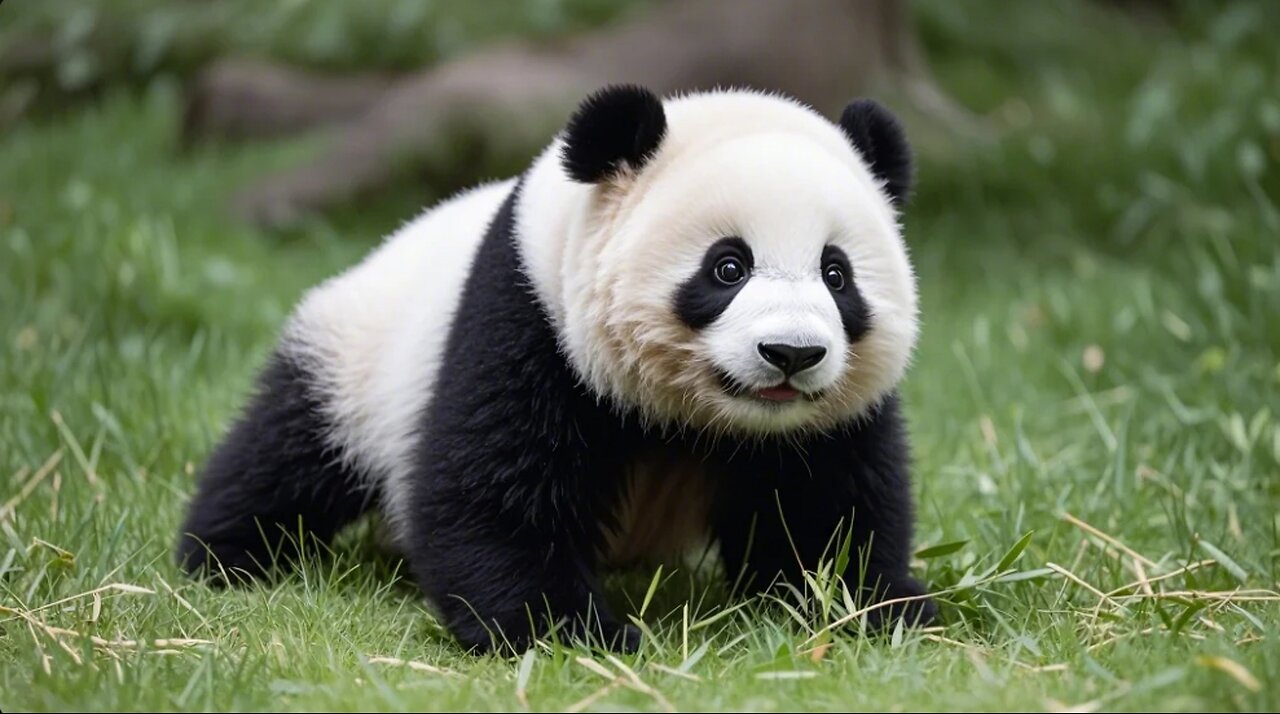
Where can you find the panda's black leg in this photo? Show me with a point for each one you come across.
(504, 512)
(270, 485)
(803, 502)
(500, 581)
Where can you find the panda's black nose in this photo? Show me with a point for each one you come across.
(791, 359)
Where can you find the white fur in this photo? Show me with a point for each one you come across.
(375, 335)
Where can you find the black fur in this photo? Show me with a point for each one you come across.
(878, 135)
(784, 506)
(618, 126)
(702, 297)
(270, 484)
(854, 313)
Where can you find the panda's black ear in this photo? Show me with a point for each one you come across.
(615, 128)
(878, 135)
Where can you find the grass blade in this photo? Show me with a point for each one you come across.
(1232, 566)
(522, 677)
(653, 588)
(1025, 575)
(1015, 551)
(1186, 615)
(693, 659)
(937, 551)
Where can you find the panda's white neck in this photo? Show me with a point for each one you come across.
(558, 263)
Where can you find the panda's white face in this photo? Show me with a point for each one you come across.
(767, 285)
(751, 279)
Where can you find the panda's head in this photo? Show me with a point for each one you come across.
(728, 261)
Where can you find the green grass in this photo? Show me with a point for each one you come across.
(1102, 339)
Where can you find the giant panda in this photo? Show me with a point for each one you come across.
(687, 321)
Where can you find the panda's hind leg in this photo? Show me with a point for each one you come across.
(272, 484)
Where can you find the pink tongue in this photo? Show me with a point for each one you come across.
(779, 394)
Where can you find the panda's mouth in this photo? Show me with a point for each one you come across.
(779, 394)
(782, 393)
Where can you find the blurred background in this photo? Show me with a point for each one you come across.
(446, 92)
(1096, 229)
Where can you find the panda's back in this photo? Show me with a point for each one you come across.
(373, 337)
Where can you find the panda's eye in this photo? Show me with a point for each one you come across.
(834, 276)
(729, 271)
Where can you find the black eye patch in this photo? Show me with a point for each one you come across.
(854, 313)
(706, 294)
